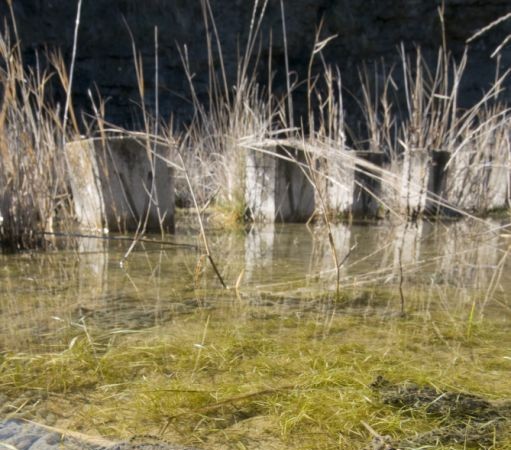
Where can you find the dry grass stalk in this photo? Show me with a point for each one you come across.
(32, 173)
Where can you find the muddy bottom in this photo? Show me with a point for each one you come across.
(466, 419)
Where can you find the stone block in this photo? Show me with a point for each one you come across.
(118, 181)
(436, 203)
(363, 184)
(276, 187)
(415, 175)
(352, 185)
(367, 191)
(338, 173)
(260, 184)
(414, 184)
(479, 179)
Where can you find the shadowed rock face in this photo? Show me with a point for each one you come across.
(367, 31)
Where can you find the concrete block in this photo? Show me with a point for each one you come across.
(436, 203)
(276, 187)
(364, 184)
(352, 183)
(415, 174)
(337, 183)
(414, 185)
(115, 182)
(479, 178)
(367, 193)
(499, 186)
(260, 181)
(463, 186)
(498, 182)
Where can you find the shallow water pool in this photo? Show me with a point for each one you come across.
(283, 358)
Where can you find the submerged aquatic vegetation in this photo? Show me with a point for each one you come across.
(288, 378)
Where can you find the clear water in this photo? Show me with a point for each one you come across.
(42, 293)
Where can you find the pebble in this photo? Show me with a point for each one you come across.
(23, 435)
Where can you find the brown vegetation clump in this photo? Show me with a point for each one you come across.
(32, 184)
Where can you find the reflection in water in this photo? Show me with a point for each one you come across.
(259, 248)
(457, 253)
(407, 245)
(42, 292)
(323, 259)
(470, 254)
(92, 266)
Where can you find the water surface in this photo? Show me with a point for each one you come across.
(40, 291)
(283, 358)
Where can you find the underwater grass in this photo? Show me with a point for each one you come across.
(244, 379)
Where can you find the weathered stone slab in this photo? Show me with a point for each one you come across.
(336, 183)
(348, 183)
(278, 184)
(276, 187)
(435, 203)
(359, 184)
(478, 179)
(413, 184)
(353, 183)
(260, 180)
(415, 174)
(368, 190)
(118, 182)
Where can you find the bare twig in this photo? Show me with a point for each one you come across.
(488, 27)
(71, 72)
(201, 225)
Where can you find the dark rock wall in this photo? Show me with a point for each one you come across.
(367, 30)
